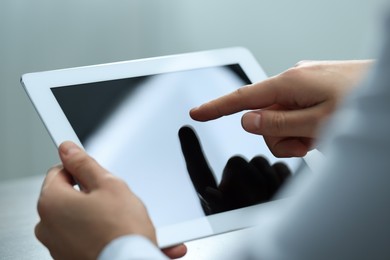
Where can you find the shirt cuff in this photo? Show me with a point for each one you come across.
(131, 247)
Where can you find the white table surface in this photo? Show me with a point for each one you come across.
(18, 216)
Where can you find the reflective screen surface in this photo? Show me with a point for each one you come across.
(130, 126)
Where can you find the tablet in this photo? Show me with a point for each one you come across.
(127, 115)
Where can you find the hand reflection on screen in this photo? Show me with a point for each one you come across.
(242, 184)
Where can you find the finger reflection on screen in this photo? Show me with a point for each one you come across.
(131, 128)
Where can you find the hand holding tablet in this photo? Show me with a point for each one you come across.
(126, 115)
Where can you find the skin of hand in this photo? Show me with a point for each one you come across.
(242, 184)
(289, 109)
(78, 224)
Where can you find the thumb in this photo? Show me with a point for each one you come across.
(84, 169)
(284, 123)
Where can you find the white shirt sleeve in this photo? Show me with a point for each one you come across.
(131, 247)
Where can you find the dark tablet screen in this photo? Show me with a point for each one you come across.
(131, 127)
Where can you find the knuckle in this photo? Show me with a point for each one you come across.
(113, 182)
(54, 168)
(42, 235)
(82, 163)
(38, 231)
(110, 181)
(121, 184)
(241, 91)
(42, 206)
(302, 63)
(292, 73)
(218, 111)
(240, 94)
(79, 164)
(302, 68)
(278, 122)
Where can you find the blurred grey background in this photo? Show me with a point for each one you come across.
(45, 34)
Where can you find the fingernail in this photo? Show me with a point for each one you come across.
(256, 120)
(251, 121)
(69, 148)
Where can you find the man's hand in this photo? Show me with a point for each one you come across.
(289, 109)
(78, 224)
(242, 184)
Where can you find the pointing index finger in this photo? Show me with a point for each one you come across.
(255, 96)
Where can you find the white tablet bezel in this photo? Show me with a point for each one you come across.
(38, 87)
